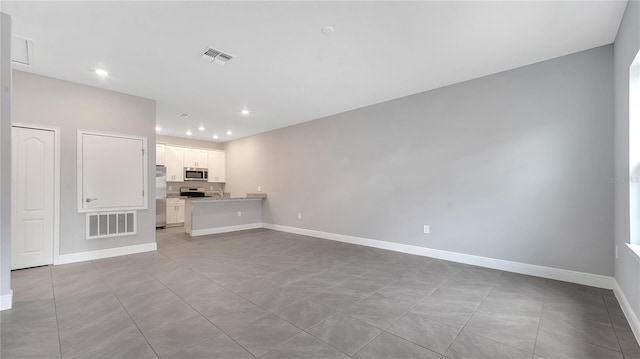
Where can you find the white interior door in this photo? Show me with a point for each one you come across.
(32, 197)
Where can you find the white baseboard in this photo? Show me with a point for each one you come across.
(240, 227)
(106, 253)
(565, 275)
(6, 301)
(628, 311)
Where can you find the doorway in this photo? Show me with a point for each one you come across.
(34, 196)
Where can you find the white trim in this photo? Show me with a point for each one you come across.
(56, 182)
(240, 227)
(79, 183)
(589, 279)
(6, 301)
(107, 253)
(631, 316)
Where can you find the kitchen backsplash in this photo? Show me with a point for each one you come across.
(173, 188)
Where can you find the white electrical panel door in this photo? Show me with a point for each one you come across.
(112, 172)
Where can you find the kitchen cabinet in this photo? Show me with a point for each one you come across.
(160, 155)
(175, 210)
(217, 166)
(174, 159)
(195, 158)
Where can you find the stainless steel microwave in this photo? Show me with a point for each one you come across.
(196, 174)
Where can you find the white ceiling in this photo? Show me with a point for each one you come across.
(286, 70)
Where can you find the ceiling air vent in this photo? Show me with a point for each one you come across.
(216, 56)
(22, 51)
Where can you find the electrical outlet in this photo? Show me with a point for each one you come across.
(299, 215)
(239, 214)
(210, 188)
(616, 251)
(426, 229)
(259, 188)
(170, 188)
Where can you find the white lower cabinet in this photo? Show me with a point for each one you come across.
(180, 212)
(175, 210)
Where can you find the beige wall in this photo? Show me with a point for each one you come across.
(188, 142)
(70, 106)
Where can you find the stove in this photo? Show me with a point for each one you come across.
(192, 192)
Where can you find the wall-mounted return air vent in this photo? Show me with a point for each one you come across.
(22, 51)
(216, 56)
(111, 224)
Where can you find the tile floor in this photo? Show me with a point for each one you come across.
(269, 294)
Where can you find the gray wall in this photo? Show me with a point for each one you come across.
(514, 166)
(627, 45)
(5, 154)
(71, 106)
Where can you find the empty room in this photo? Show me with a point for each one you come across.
(320, 179)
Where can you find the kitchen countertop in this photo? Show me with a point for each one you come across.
(215, 195)
(250, 196)
(212, 199)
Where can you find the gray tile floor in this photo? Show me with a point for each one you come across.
(270, 294)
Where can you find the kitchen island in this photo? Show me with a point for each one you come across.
(210, 216)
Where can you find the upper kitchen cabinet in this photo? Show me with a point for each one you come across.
(195, 158)
(174, 160)
(217, 166)
(160, 155)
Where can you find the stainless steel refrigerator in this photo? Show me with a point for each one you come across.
(161, 196)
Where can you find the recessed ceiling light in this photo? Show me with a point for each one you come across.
(245, 112)
(327, 30)
(201, 128)
(215, 137)
(188, 133)
(229, 132)
(158, 128)
(102, 72)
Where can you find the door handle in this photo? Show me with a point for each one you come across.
(90, 200)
